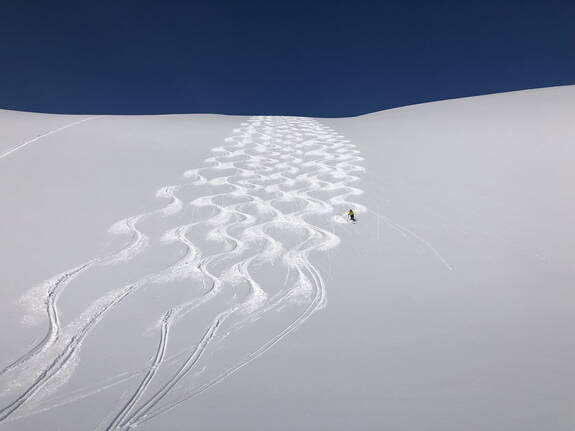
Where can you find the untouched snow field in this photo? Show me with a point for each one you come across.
(198, 272)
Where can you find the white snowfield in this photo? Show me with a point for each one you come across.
(199, 271)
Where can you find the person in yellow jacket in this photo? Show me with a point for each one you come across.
(351, 215)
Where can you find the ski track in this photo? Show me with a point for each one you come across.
(45, 295)
(273, 161)
(37, 138)
(405, 232)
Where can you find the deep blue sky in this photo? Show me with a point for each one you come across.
(317, 58)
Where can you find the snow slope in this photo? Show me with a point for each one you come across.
(197, 271)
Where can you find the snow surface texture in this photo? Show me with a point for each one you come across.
(450, 302)
(257, 198)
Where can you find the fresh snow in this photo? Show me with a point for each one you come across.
(198, 271)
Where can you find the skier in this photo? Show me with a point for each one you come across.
(351, 215)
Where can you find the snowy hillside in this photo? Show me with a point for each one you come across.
(198, 271)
